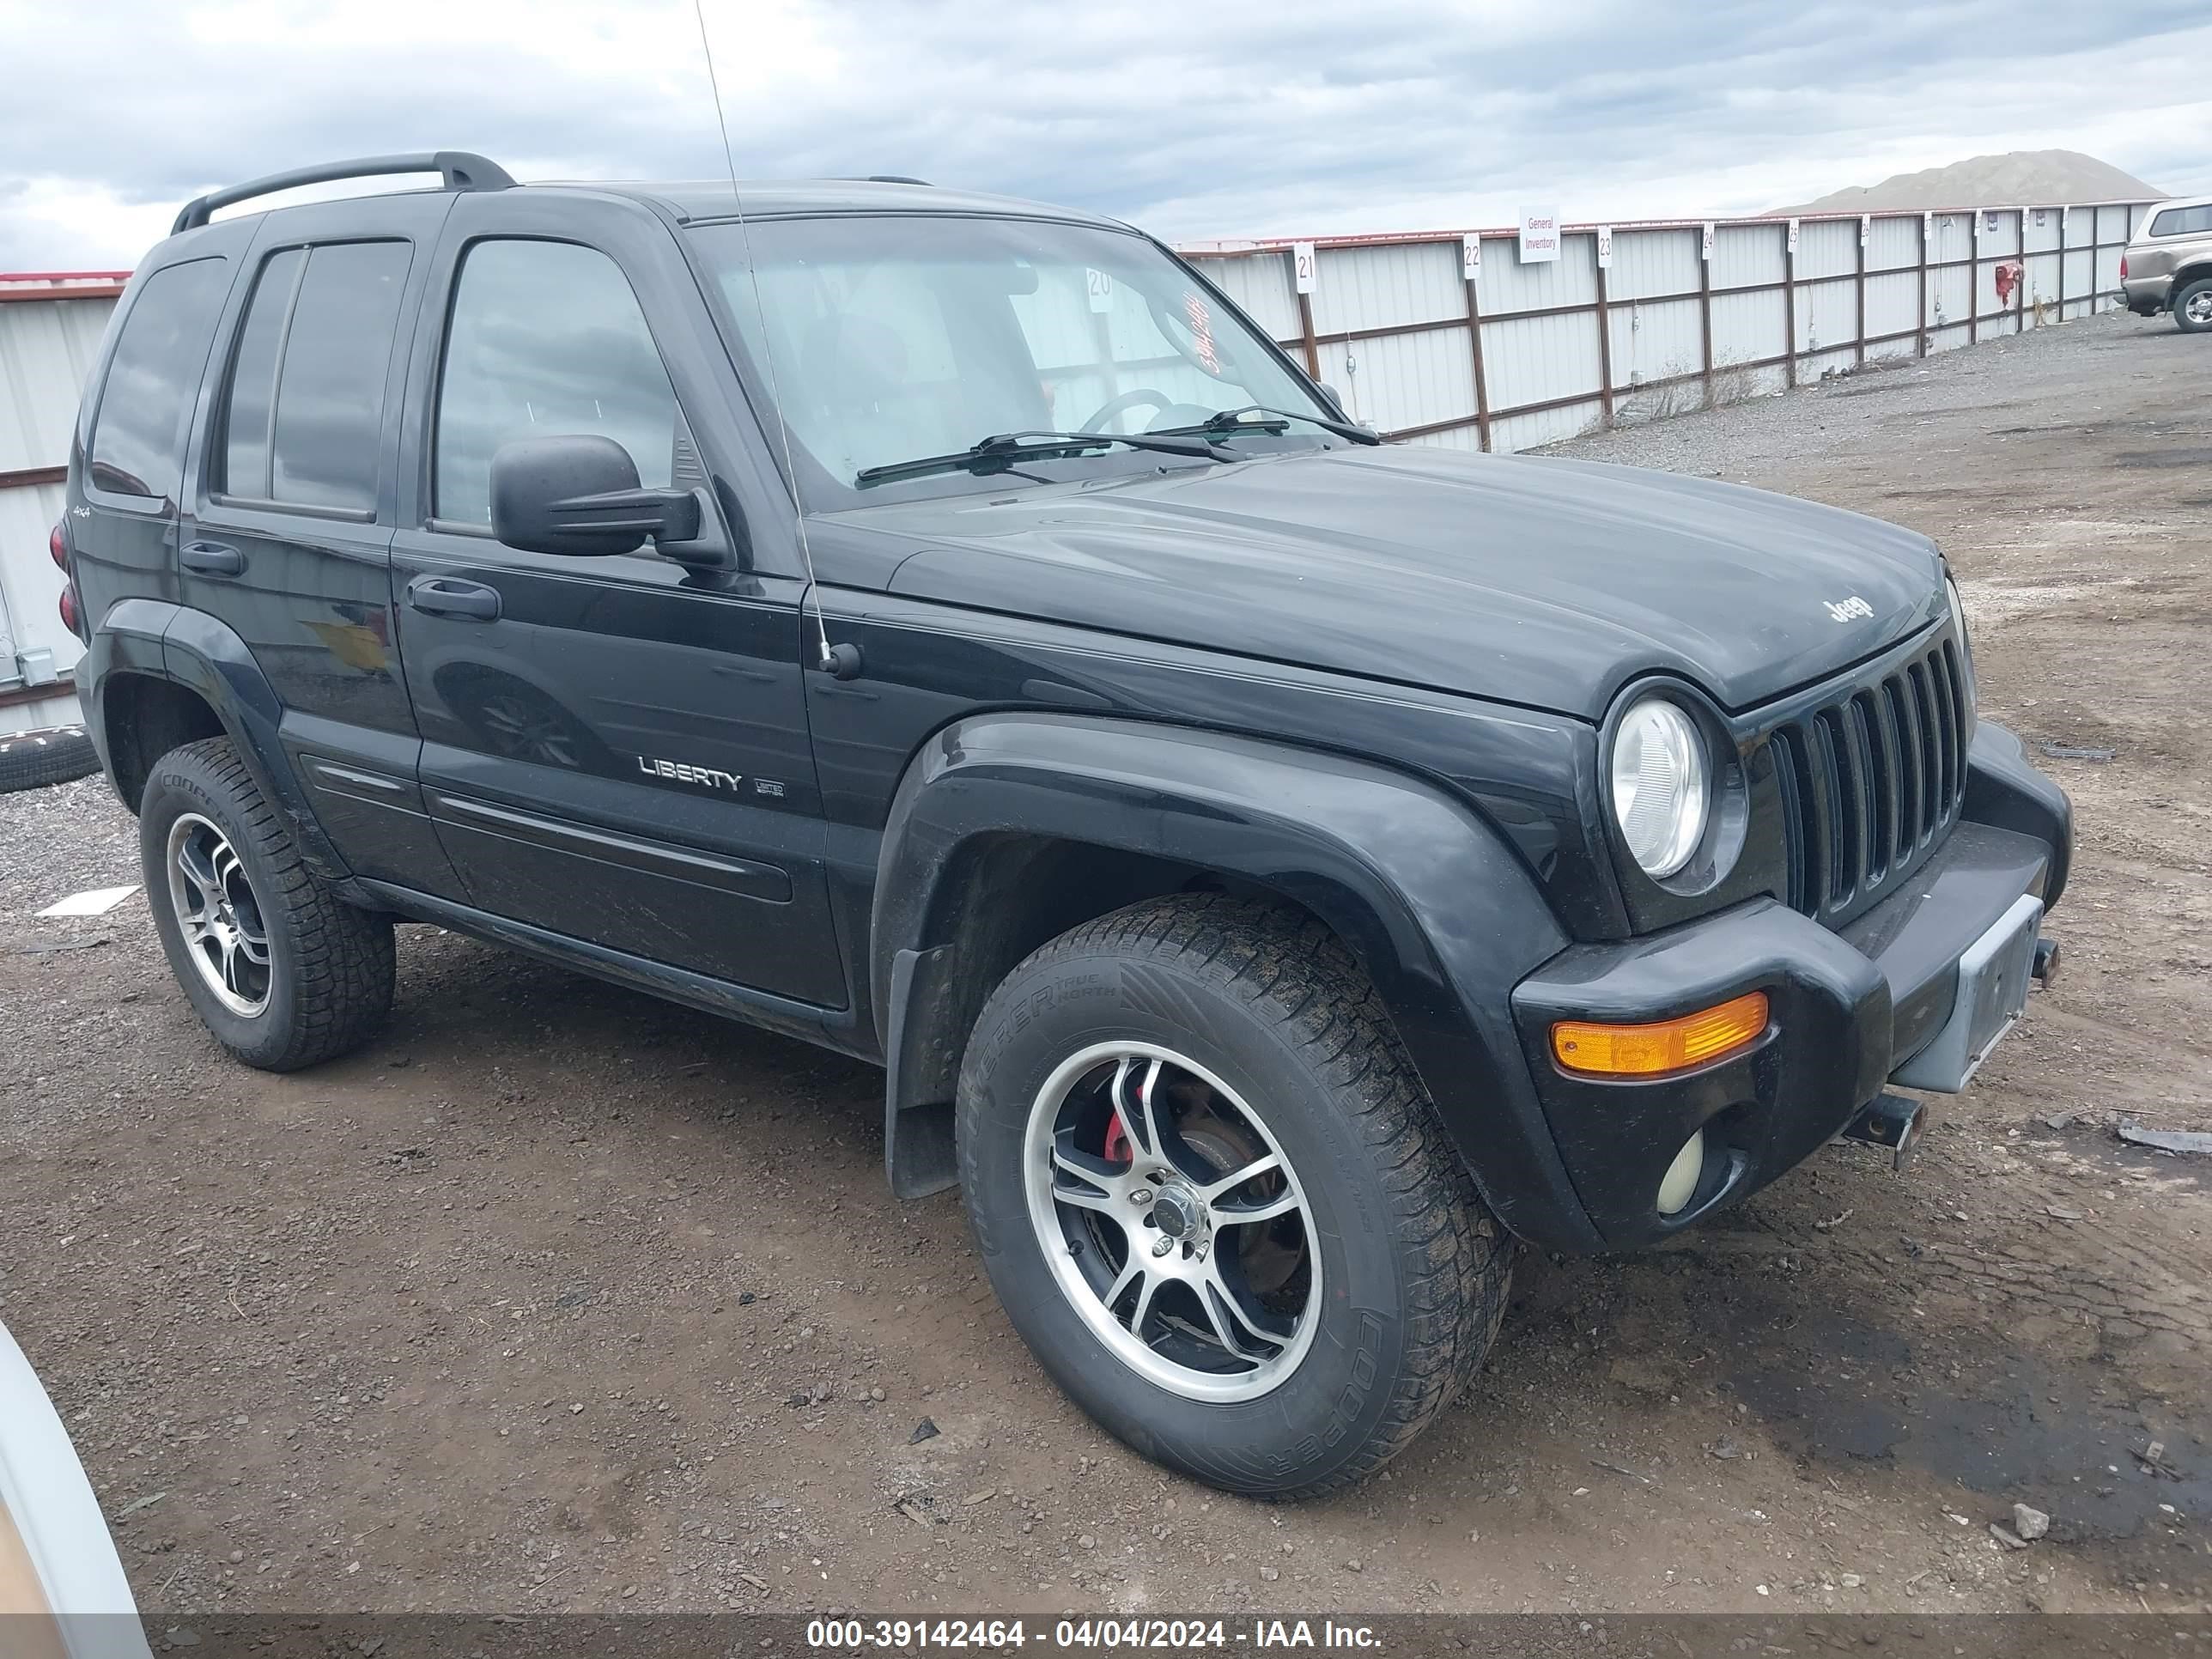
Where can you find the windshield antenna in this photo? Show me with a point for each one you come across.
(843, 660)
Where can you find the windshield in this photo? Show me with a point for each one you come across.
(902, 337)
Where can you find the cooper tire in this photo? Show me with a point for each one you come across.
(2192, 307)
(287, 974)
(31, 760)
(1266, 1005)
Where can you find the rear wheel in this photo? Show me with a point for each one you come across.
(281, 971)
(2192, 306)
(1213, 1197)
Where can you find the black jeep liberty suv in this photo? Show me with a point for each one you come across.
(1276, 872)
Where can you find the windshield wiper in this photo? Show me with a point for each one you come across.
(1224, 423)
(996, 454)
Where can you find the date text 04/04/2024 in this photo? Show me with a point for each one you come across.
(987, 1635)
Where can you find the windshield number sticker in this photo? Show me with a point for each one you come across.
(1100, 286)
(1200, 319)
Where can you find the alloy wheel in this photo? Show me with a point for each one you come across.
(1173, 1221)
(218, 915)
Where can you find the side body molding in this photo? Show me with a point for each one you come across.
(1438, 909)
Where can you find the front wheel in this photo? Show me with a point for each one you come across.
(1213, 1197)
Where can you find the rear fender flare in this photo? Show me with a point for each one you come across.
(1437, 908)
(195, 650)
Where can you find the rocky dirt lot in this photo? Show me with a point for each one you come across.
(556, 1298)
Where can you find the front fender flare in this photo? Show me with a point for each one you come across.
(1437, 906)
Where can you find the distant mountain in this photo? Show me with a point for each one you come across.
(2029, 178)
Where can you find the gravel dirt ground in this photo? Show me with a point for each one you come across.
(556, 1297)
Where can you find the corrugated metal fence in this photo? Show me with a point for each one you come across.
(1446, 338)
(50, 328)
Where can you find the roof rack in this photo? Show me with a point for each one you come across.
(459, 169)
(895, 179)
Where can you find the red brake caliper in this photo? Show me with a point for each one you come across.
(1118, 1150)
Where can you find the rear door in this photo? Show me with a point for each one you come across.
(137, 415)
(615, 749)
(290, 536)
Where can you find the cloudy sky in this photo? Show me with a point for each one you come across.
(1200, 118)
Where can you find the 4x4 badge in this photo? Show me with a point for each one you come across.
(1844, 610)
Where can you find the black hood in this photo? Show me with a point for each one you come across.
(1544, 582)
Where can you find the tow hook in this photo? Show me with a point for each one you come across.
(2045, 966)
(1890, 1121)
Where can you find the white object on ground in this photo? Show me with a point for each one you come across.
(95, 902)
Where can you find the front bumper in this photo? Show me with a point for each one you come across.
(1848, 1009)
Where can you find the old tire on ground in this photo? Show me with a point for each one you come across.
(2192, 306)
(1213, 1197)
(30, 760)
(283, 972)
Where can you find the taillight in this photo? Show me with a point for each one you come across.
(57, 546)
(2124, 267)
(70, 610)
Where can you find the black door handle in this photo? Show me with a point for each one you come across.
(211, 558)
(449, 596)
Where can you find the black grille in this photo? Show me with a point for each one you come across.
(1871, 781)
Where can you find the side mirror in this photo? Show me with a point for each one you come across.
(1335, 403)
(577, 496)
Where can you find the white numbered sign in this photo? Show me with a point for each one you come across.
(1470, 256)
(1605, 247)
(1101, 288)
(1302, 265)
(1706, 250)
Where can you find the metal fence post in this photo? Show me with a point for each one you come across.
(1927, 237)
(1481, 384)
(1974, 277)
(1705, 313)
(1604, 338)
(1789, 309)
(1866, 234)
(1306, 327)
(2062, 264)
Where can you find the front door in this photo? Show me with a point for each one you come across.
(614, 748)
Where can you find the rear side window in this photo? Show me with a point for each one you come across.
(2182, 222)
(306, 410)
(546, 339)
(153, 379)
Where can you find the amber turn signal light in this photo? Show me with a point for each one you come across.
(1667, 1045)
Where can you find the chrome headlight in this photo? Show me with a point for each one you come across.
(1966, 653)
(1661, 792)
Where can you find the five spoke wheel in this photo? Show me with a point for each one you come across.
(1173, 1221)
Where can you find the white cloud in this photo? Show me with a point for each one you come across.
(1235, 117)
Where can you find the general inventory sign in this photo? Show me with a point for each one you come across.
(1540, 235)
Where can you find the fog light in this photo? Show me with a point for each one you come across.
(1668, 1045)
(1680, 1184)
